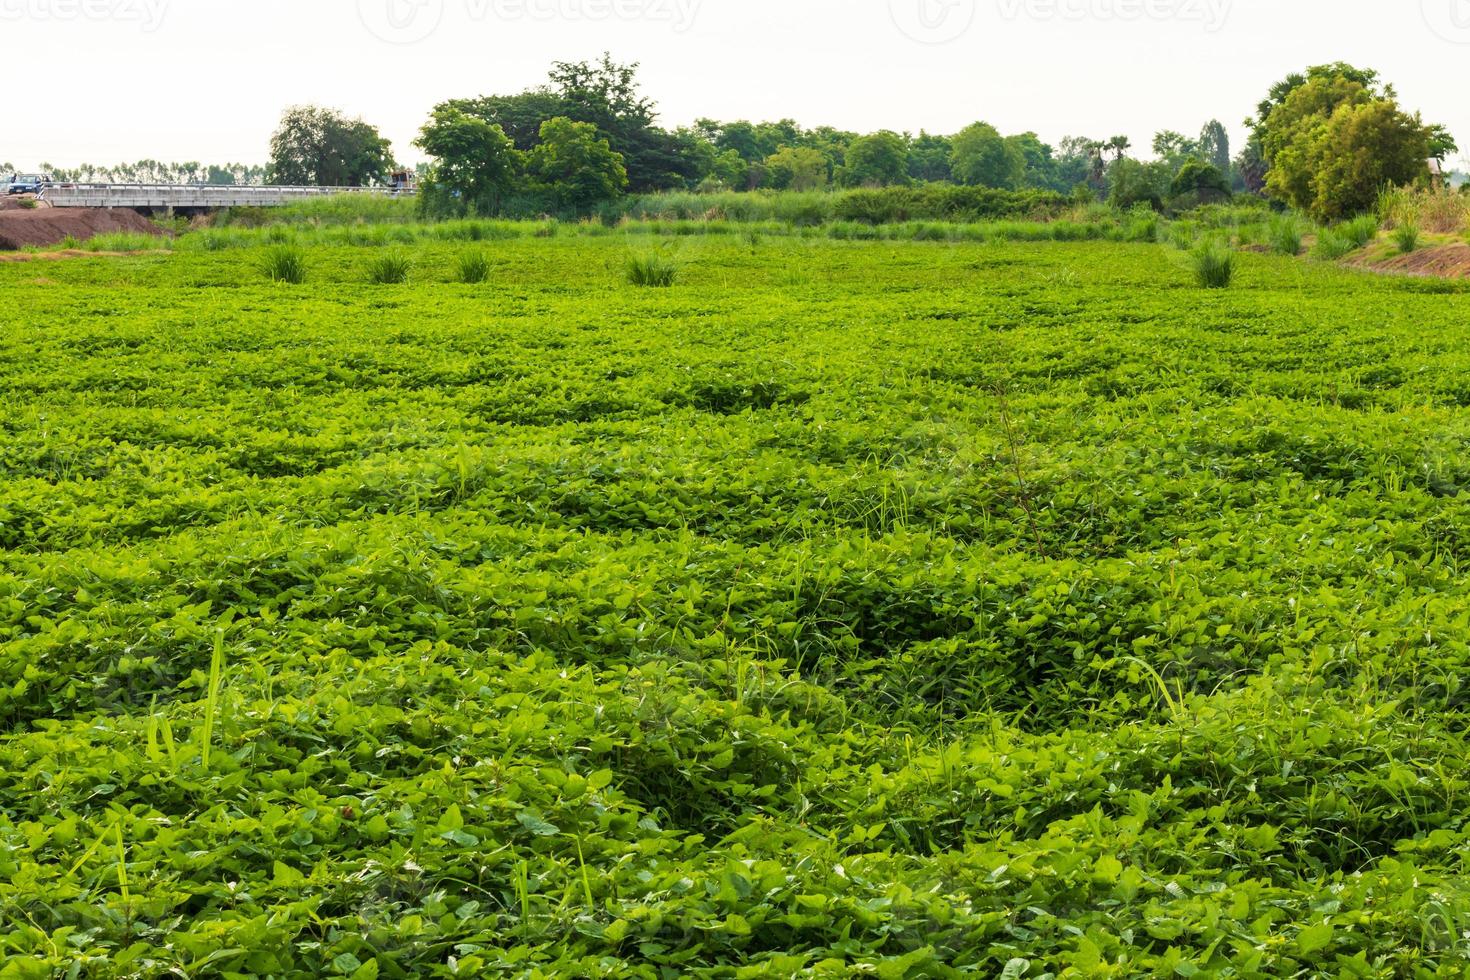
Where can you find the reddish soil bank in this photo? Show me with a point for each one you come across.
(1443, 261)
(48, 226)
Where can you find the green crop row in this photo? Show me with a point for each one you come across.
(893, 608)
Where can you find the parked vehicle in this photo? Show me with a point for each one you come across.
(28, 183)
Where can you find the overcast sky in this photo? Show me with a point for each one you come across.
(103, 81)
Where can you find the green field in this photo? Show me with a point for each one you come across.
(891, 609)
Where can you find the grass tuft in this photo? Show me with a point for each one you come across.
(1284, 235)
(1360, 231)
(1331, 244)
(474, 267)
(284, 263)
(1406, 238)
(652, 269)
(1214, 264)
(389, 269)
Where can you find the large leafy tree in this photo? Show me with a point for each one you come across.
(1199, 182)
(797, 168)
(1363, 148)
(1331, 139)
(1079, 163)
(878, 160)
(519, 116)
(323, 148)
(476, 165)
(982, 157)
(929, 157)
(1441, 143)
(1175, 148)
(1040, 165)
(1131, 183)
(604, 94)
(1214, 145)
(576, 166)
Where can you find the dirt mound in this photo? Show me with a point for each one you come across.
(48, 226)
(68, 253)
(1442, 261)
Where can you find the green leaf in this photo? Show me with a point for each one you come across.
(537, 824)
(1313, 938)
(736, 925)
(287, 876)
(1108, 868)
(453, 819)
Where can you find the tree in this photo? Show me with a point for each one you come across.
(1365, 78)
(929, 157)
(1334, 139)
(321, 147)
(1250, 166)
(1078, 162)
(739, 136)
(1441, 143)
(1175, 149)
(576, 165)
(880, 160)
(519, 116)
(797, 168)
(1120, 145)
(1040, 168)
(982, 157)
(1364, 148)
(1198, 182)
(1214, 145)
(477, 163)
(1132, 183)
(605, 94)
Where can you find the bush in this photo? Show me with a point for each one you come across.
(389, 269)
(284, 263)
(1361, 230)
(1214, 264)
(1284, 235)
(652, 269)
(474, 267)
(1406, 237)
(1143, 226)
(1331, 245)
(29, 203)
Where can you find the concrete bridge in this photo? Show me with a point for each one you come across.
(195, 196)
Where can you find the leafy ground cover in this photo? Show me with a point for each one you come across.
(896, 609)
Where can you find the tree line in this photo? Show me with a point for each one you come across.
(1324, 141)
(153, 172)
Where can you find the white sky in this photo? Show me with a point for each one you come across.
(106, 81)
